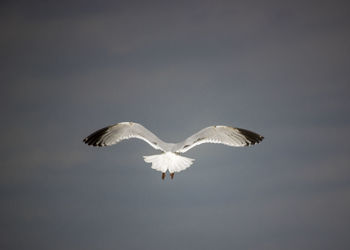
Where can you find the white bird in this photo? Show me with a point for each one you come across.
(170, 160)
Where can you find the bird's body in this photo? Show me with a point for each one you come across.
(170, 160)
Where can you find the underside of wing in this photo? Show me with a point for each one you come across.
(125, 130)
(234, 137)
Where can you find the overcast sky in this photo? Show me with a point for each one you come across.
(279, 68)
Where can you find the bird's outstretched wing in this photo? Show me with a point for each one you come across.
(125, 130)
(235, 137)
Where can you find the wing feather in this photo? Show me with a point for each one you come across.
(234, 137)
(122, 131)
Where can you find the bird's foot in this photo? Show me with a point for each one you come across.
(172, 175)
(163, 176)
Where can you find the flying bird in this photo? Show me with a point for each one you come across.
(170, 159)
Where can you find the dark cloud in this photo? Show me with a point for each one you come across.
(280, 69)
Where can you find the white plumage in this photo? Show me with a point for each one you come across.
(170, 160)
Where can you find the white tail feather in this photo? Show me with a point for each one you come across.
(169, 161)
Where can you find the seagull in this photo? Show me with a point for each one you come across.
(170, 159)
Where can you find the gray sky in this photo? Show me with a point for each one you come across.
(275, 67)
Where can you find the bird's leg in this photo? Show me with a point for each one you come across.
(163, 176)
(172, 175)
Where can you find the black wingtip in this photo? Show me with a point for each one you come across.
(94, 138)
(253, 138)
